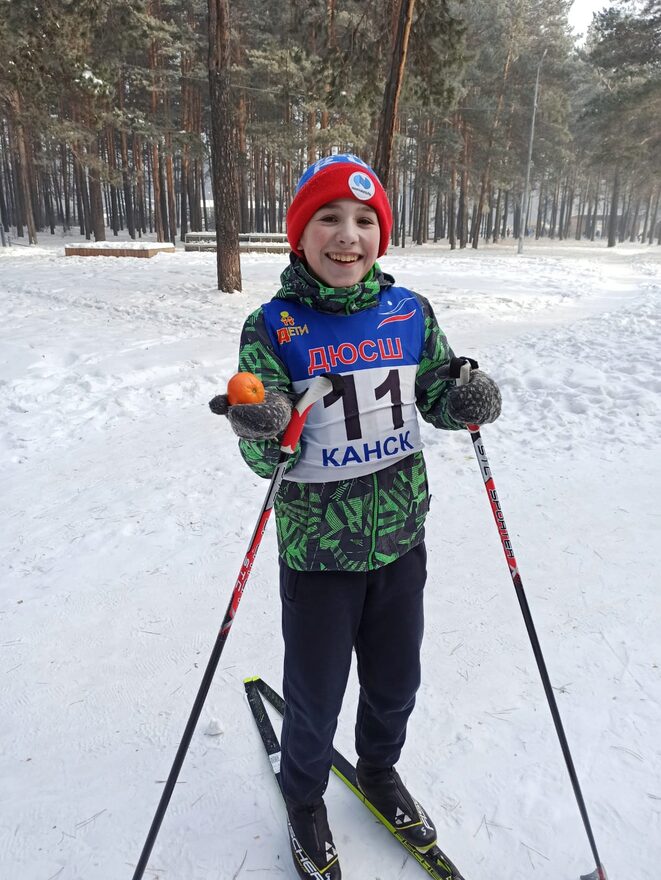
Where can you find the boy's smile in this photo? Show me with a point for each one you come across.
(340, 243)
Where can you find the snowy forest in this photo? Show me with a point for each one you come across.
(105, 120)
(521, 151)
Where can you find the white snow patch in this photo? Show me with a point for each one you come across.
(214, 728)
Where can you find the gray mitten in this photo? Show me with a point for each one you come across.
(477, 403)
(255, 421)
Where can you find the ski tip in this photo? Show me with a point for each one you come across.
(252, 678)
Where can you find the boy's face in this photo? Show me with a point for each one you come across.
(340, 243)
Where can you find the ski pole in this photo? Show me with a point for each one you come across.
(460, 369)
(319, 387)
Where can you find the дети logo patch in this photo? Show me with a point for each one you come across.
(290, 329)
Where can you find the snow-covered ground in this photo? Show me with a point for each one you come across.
(127, 511)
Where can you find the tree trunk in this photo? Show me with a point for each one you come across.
(648, 208)
(394, 199)
(516, 230)
(18, 184)
(452, 208)
(96, 196)
(489, 215)
(496, 222)
(312, 137)
(505, 231)
(112, 167)
(58, 195)
(654, 216)
(403, 204)
(258, 197)
(195, 191)
(271, 192)
(10, 180)
(462, 221)
(5, 218)
(475, 220)
(204, 202)
(139, 184)
(169, 177)
(634, 222)
(242, 120)
(383, 152)
(82, 200)
(50, 197)
(623, 221)
(155, 201)
(6, 208)
(540, 205)
(155, 157)
(224, 160)
(438, 213)
(563, 206)
(571, 194)
(126, 177)
(583, 204)
(593, 221)
(159, 173)
(34, 181)
(484, 183)
(23, 181)
(615, 200)
(186, 187)
(419, 220)
(554, 209)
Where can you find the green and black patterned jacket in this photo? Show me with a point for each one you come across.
(365, 522)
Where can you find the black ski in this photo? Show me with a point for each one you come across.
(435, 862)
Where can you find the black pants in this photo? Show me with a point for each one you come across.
(324, 616)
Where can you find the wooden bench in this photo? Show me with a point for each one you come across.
(249, 242)
(118, 249)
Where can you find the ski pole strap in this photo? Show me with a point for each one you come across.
(457, 368)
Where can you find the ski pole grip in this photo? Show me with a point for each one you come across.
(318, 388)
(460, 368)
(464, 374)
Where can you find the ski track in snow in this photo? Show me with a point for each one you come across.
(128, 511)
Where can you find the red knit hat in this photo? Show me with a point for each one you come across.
(337, 177)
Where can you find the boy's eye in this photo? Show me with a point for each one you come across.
(332, 218)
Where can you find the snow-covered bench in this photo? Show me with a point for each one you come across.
(264, 242)
(118, 248)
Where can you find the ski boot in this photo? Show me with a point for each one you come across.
(311, 841)
(387, 793)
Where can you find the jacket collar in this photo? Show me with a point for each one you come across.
(299, 284)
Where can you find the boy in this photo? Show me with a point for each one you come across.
(350, 512)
